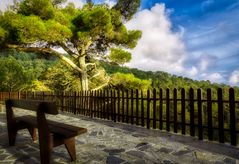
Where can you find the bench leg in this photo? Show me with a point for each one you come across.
(33, 132)
(46, 146)
(12, 137)
(70, 146)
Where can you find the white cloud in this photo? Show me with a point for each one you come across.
(206, 61)
(213, 77)
(111, 3)
(234, 78)
(4, 4)
(159, 48)
(78, 3)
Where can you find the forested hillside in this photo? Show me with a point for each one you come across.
(161, 79)
(34, 72)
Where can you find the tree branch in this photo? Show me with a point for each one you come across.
(68, 50)
(46, 51)
(95, 75)
(103, 85)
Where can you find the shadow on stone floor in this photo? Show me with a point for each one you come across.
(26, 151)
(137, 131)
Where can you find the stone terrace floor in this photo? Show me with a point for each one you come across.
(109, 142)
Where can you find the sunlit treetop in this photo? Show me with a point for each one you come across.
(43, 25)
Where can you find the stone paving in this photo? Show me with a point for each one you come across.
(113, 143)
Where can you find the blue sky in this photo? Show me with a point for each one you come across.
(210, 34)
(194, 38)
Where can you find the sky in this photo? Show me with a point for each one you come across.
(198, 39)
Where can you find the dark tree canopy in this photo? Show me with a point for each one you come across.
(86, 35)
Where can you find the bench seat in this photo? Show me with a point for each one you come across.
(56, 128)
(50, 133)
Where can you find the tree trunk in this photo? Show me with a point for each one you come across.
(84, 82)
(84, 76)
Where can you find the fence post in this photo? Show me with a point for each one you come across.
(132, 106)
(233, 132)
(200, 127)
(154, 108)
(75, 102)
(160, 108)
(220, 115)
(98, 102)
(167, 109)
(119, 106)
(127, 106)
(123, 113)
(114, 106)
(175, 114)
(104, 104)
(148, 109)
(209, 114)
(101, 104)
(19, 95)
(183, 110)
(142, 108)
(137, 107)
(191, 106)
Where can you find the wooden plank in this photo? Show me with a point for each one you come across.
(101, 104)
(137, 106)
(81, 103)
(148, 109)
(132, 106)
(167, 110)
(220, 115)
(142, 108)
(199, 104)
(175, 112)
(104, 104)
(191, 108)
(127, 106)
(60, 128)
(154, 108)
(123, 113)
(75, 102)
(85, 104)
(209, 114)
(114, 104)
(183, 95)
(62, 100)
(233, 133)
(107, 105)
(119, 106)
(34, 105)
(98, 104)
(160, 108)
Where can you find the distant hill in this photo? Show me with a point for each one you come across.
(163, 79)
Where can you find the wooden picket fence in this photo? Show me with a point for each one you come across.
(193, 112)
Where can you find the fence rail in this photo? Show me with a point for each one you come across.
(205, 115)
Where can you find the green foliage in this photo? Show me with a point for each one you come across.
(12, 75)
(127, 8)
(42, 8)
(60, 78)
(119, 56)
(31, 70)
(165, 80)
(3, 34)
(56, 32)
(129, 81)
(86, 34)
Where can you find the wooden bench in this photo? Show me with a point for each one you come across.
(51, 133)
